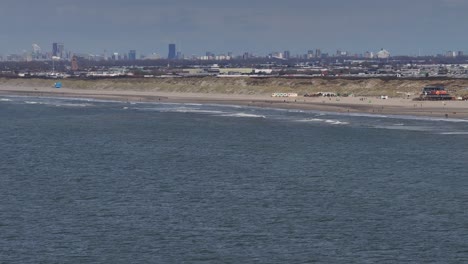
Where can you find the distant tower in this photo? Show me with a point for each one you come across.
(172, 52)
(55, 49)
(318, 53)
(74, 63)
(60, 50)
(132, 55)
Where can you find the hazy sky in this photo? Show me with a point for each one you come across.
(259, 26)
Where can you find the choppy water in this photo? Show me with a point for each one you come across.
(106, 182)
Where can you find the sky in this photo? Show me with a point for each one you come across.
(404, 27)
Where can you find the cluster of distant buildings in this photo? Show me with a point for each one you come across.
(58, 52)
(342, 69)
(62, 63)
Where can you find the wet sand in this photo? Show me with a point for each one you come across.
(369, 105)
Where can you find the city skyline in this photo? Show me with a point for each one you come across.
(58, 51)
(404, 27)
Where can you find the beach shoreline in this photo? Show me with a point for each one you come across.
(365, 105)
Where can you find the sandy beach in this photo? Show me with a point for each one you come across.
(357, 104)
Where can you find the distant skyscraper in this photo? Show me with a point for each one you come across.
(172, 52)
(55, 49)
(318, 53)
(60, 50)
(132, 55)
(287, 54)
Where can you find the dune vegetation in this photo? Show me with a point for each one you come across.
(254, 86)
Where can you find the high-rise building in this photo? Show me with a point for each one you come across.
(287, 54)
(132, 55)
(61, 50)
(55, 49)
(172, 52)
(318, 53)
(58, 50)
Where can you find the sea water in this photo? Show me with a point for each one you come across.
(87, 181)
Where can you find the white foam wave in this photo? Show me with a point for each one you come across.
(296, 111)
(228, 106)
(415, 118)
(180, 110)
(198, 111)
(454, 133)
(328, 121)
(244, 115)
(336, 122)
(92, 100)
(401, 117)
(407, 128)
(5, 100)
(362, 115)
(58, 103)
(58, 99)
(310, 120)
(453, 120)
(72, 105)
